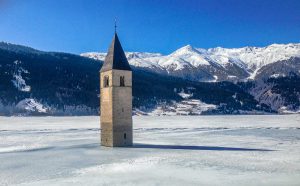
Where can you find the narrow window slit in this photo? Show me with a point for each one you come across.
(122, 81)
(106, 81)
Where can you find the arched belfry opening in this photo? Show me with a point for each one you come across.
(116, 97)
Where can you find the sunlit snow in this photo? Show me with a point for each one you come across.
(32, 105)
(206, 150)
(251, 59)
(18, 80)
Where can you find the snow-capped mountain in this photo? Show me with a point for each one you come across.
(51, 83)
(214, 64)
(265, 66)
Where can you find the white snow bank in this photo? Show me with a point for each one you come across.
(185, 95)
(286, 110)
(32, 105)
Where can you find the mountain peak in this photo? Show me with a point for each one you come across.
(184, 50)
(187, 47)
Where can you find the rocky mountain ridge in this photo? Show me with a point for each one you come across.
(214, 64)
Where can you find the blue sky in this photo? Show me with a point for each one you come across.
(163, 26)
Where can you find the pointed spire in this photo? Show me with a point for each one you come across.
(115, 25)
(115, 58)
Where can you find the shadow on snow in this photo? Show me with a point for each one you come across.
(192, 147)
(139, 146)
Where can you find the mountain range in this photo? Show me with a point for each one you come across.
(189, 81)
(211, 65)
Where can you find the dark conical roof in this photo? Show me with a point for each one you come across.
(115, 58)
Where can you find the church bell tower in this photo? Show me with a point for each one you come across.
(116, 98)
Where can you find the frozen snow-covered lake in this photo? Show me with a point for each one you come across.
(204, 150)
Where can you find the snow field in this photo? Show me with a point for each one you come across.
(177, 150)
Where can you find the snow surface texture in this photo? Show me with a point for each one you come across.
(251, 59)
(207, 150)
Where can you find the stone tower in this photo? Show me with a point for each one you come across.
(116, 98)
